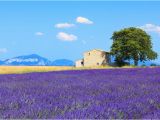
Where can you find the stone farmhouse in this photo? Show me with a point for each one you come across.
(93, 58)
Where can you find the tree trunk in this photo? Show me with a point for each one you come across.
(136, 62)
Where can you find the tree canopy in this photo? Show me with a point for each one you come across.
(132, 44)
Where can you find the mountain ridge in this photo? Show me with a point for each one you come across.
(35, 60)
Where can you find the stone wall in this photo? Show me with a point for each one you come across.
(96, 58)
(79, 63)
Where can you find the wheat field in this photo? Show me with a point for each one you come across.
(28, 69)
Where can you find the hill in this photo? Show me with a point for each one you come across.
(35, 60)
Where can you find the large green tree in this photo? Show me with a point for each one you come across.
(132, 44)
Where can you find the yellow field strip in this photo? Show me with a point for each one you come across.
(29, 69)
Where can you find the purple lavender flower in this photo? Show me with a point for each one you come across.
(82, 94)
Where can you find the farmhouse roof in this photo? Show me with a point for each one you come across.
(97, 50)
(79, 60)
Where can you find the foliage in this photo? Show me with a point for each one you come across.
(143, 65)
(129, 93)
(153, 64)
(121, 63)
(132, 44)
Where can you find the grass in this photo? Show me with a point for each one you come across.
(29, 69)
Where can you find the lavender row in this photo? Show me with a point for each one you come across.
(82, 94)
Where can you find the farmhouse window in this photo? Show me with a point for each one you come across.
(82, 63)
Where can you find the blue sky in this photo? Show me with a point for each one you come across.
(66, 29)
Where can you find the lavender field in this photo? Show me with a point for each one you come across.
(93, 94)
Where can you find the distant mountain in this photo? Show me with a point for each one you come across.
(35, 60)
(146, 63)
(1, 62)
(28, 60)
(63, 62)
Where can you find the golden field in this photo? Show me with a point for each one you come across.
(28, 69)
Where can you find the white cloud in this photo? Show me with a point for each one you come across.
(39, 33)
(66, 37)
(151, 28)
(64, 25)
(84, 20)
(3, 50)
